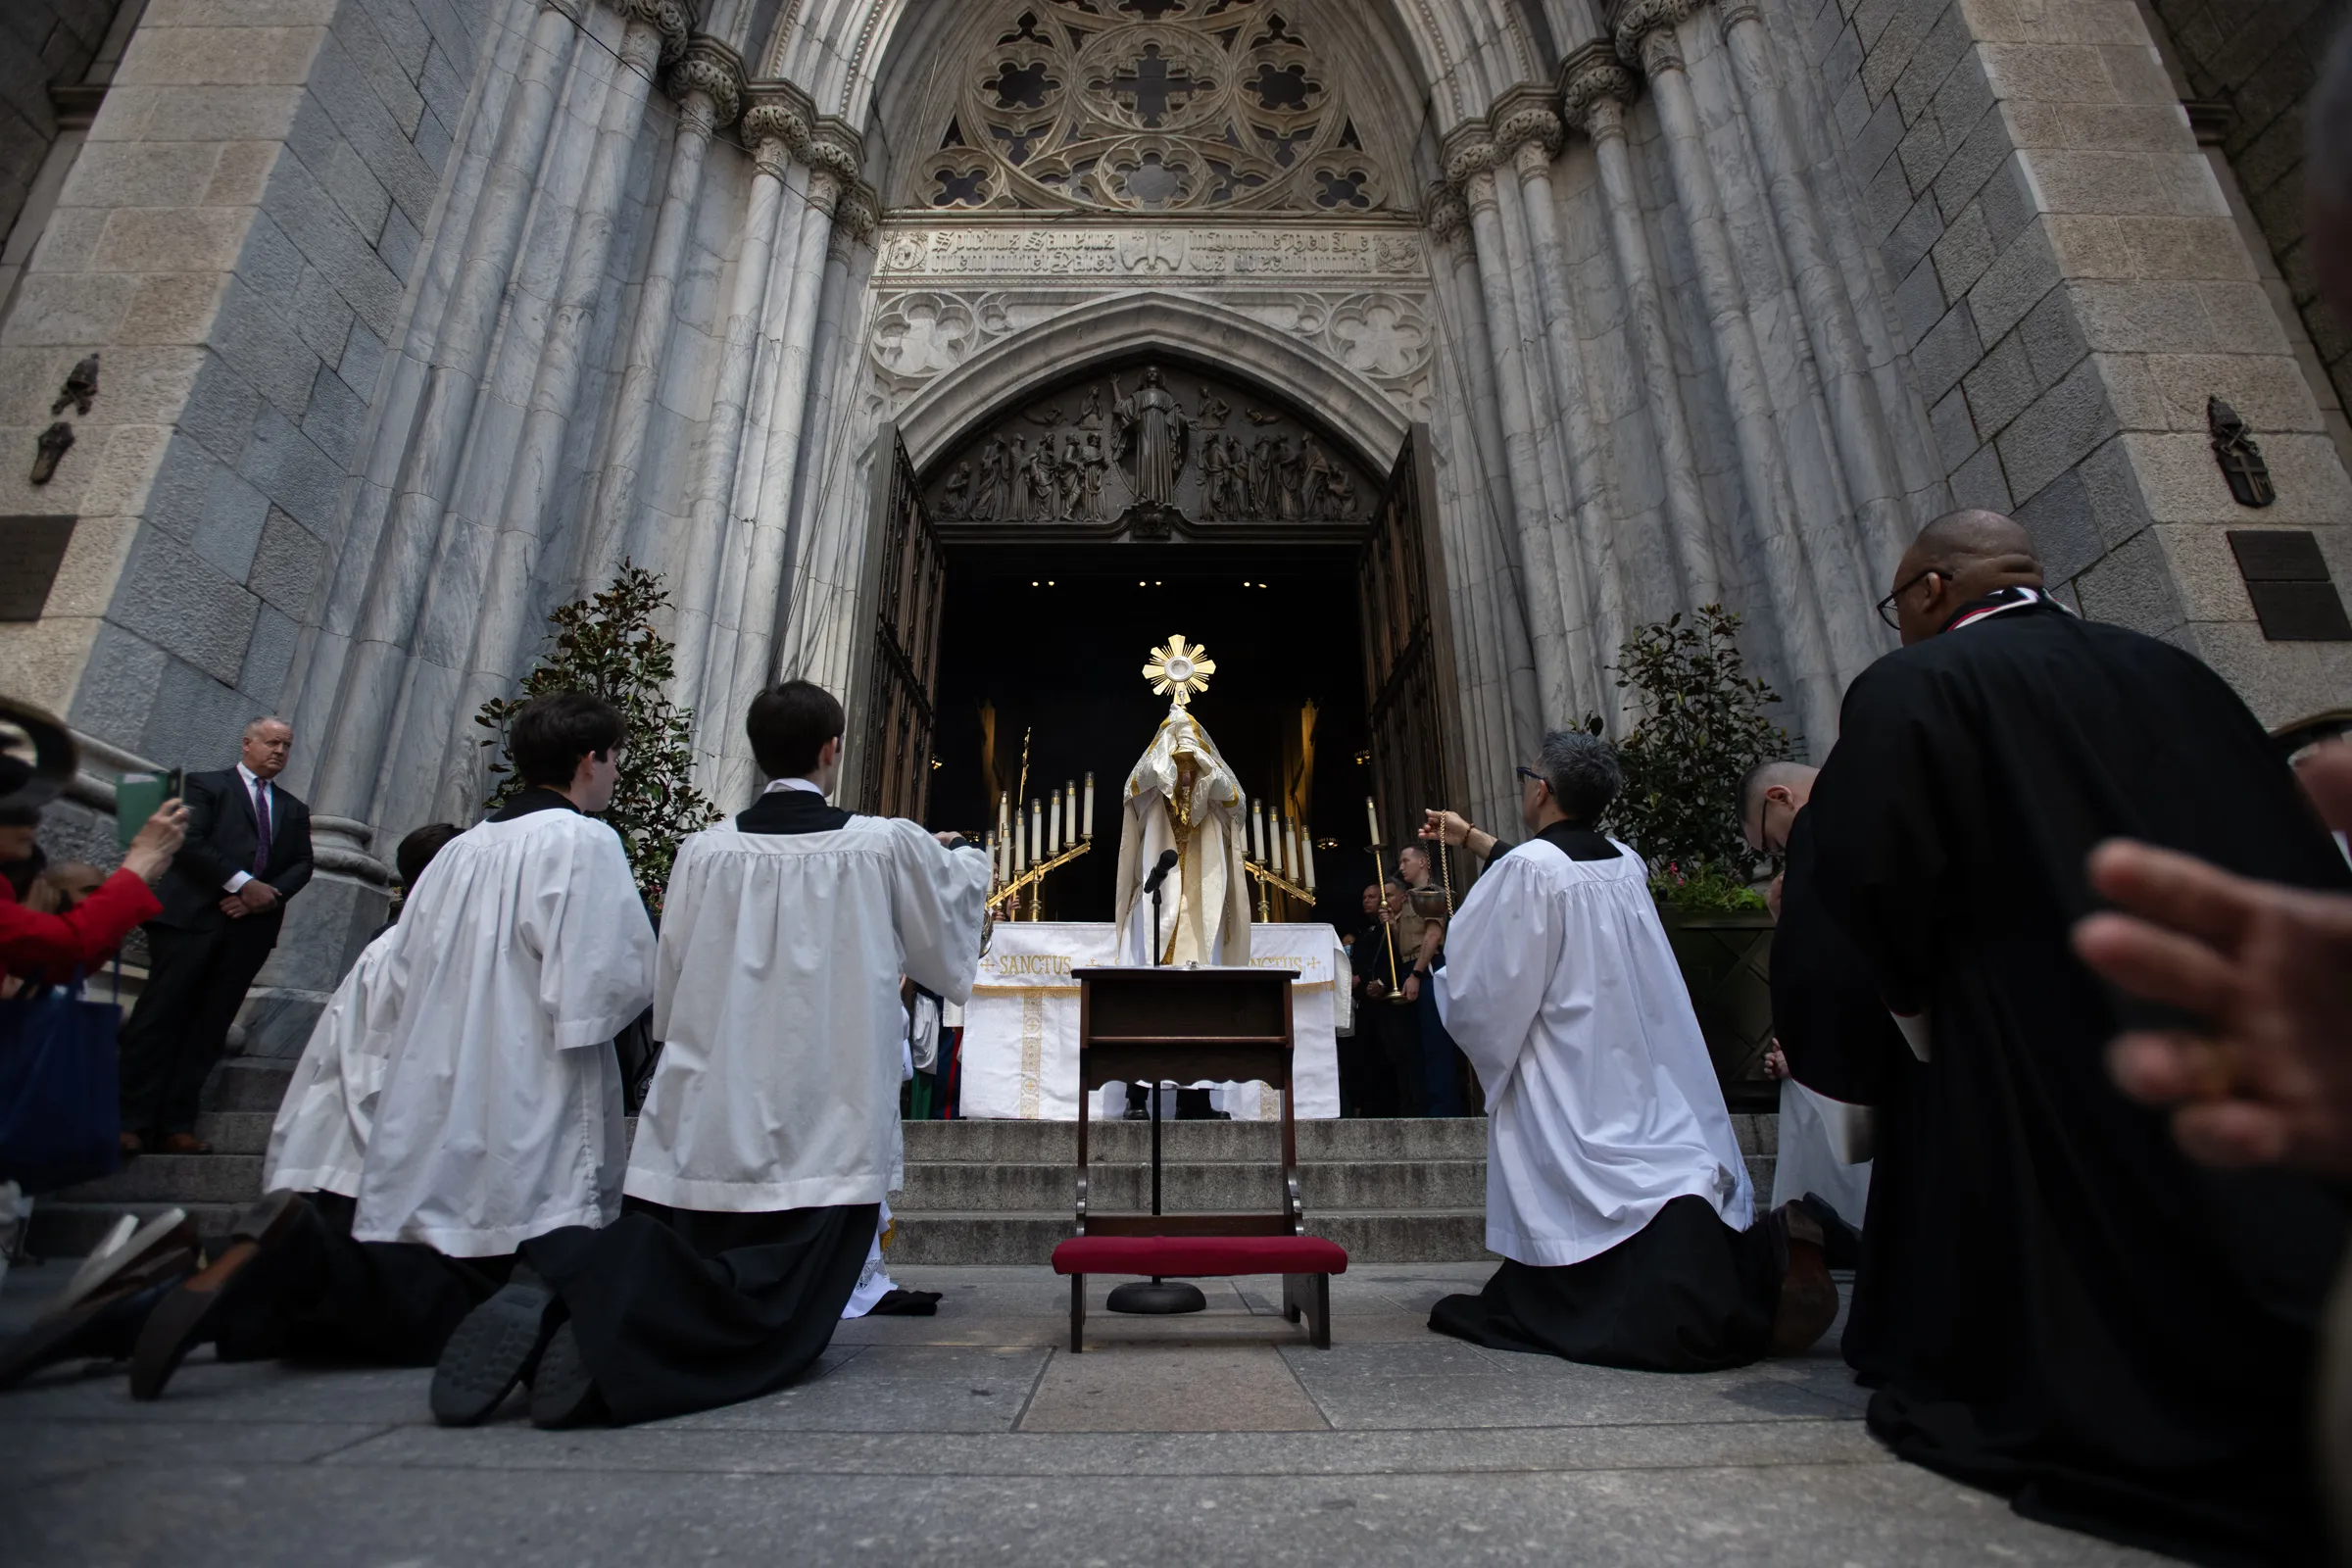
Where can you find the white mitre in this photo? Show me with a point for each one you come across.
(1204, 903)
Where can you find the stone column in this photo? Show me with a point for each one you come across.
(1473, 170)
(738, 668)
(505, 597)
(1647, 30)
(360, 713)
(708, 83)
(1595, 88)
(1533, 135)
(771, 127)
(1865, 449)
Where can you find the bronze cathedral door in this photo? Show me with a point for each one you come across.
(1417, 757)
(894, 679)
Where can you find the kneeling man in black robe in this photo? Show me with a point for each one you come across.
(2118, 1339)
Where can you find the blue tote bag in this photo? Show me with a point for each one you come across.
(60, 1120)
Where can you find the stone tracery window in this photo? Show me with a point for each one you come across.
(1151, 106)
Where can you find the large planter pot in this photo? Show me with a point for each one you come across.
(1727, 962)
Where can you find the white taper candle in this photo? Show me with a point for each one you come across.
(1306, 839)
(1372, 815)
(1090, 805)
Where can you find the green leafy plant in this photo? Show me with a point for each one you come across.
(1700, 727)
(608, 645)
(1706, 890)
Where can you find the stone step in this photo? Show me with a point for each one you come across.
(248, 1083)
(980, 1187)
(181, 1179)
(1196, 1142)
(1443, 1236)
(236, 1132)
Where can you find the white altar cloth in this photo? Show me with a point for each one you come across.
(1020, 1029)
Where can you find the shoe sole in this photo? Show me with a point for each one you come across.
(1808, 1303)
(499, 1344)
(179, 1322)
(169, 1233)
(562, 1390)
(49, 1339)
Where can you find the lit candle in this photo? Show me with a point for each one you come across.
(1069, 796)
(1290, 843)
(1090, 805)
(1257, 831)
(1003, 814)
(1037, 831)
(1308, 838)
(1054, 843)
(1372, 815)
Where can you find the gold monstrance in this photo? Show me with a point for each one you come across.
(1179, 672)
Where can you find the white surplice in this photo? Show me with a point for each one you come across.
(521, 952)
(320, 1134)
(1602, 1102)
(777, 1005)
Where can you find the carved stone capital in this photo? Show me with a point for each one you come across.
(834, 148)
(778, 122)
(714, 71)
(1526, 117)
(858, 213)
(667, 17)
(825, 188)
(1594, 88)
(1739, 10)
(1449, 215)
(1644, 32)
(1470, 159)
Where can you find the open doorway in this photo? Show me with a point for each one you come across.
(1053, 646)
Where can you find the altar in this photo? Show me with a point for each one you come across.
(1021, 1030)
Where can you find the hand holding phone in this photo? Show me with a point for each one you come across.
(158, 839)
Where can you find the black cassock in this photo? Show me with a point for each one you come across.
(2119, 1339)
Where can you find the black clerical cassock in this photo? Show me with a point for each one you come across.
(2117, 1338)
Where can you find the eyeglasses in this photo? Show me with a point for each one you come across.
(1534, 778)
(1887, 605)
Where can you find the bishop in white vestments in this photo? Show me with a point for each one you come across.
(770, 1132)
(1615, 1187)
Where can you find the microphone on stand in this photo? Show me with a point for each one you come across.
(1159, 871)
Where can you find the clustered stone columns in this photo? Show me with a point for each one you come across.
(708, 83)
(388, 557)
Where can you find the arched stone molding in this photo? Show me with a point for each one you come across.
(1122, 325)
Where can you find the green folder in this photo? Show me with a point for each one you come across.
(138, 796)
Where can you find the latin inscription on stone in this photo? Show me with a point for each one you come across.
(996, 250)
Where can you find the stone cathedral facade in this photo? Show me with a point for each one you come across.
(415, 318)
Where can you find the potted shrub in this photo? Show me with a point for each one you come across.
(1699, 726)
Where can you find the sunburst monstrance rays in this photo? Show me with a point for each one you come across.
(1179, 671)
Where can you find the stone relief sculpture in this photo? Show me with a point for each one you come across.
(1152, 431)
(1156, 467)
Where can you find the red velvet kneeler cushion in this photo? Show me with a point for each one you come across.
(1192, 1256)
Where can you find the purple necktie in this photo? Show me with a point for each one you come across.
(261, 823)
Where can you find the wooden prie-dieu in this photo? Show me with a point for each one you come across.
(1152, 1025)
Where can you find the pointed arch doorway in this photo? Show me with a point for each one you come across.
(1014, 585)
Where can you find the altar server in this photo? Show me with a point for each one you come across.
(1615, 1188)
(2116, 1337)
(767, 1137)
(514, 965)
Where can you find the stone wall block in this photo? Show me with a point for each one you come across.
(2282, 681)
(1945, 43)
(1919, 302)
(2145, 318)
(184, 478)
(330, 241)
(407, 39)
(69, 244)
(2052, 339)
(2076, 22)
(67, 308)
(239, 13)
(230, 523)
(117, 690)
(168, 239)
(147, 175)
(1913, 238)
(2001, 387)
(220, 56)
(185, 605)
(373, 135)
(2182, 484)
(1963, 252)
(2088, 128)
(1955, 432)
(1972, 163)
(2046, 72)
(172, 308)
(2204, 571)
(392, 82)
(362, 358)
(397, 245)
(2015, 283)
(443, 85)
(2058, 430)
(220, 410)
(2242, 317)
(2132, 393)
(253, 335)
(121, 475)
(2137, 72)
(2267, 390)
(319, 315)
(2130, 586)
(2063, 526)
(1946, 353)
(85, 577)
(291, 469)
(336, 417)
(195, 718)
(2139, 184)
(286, 563)
(1884, 199)
(1872, 142)
(269, 657)
(1980, 483)
(1923, 149)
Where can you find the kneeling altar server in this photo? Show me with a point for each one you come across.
(769, 1135)
(489, 1024)
(1615, 1188)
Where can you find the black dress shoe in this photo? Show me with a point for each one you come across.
(498, 1346)
(101, 1327)
(897, 1302)
(564, 1393)
(192, 1313)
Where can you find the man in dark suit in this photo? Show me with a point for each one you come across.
(248, 850)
